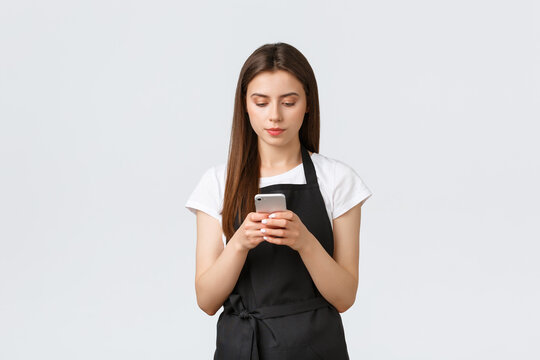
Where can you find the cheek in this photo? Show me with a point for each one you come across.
(251, 112)
(254, 118)
(298, 116)
(300, 109)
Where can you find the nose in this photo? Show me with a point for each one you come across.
(275, 114)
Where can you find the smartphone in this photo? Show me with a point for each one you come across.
(270, 203)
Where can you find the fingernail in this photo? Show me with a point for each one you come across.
(263, 221)
(272, 215)
(265, 238)
(263, 230)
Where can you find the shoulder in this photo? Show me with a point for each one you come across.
(214, 179)
(345, 186)
(323, 163)
(220, 172)
(324, 167)
(208, 193)
(332, 169)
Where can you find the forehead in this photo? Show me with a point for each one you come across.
(274, 83)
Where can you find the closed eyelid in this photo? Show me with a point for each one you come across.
(290, 97)
(286, 103)
(282, 100)
(292, 93)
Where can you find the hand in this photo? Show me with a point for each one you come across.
(249, 231)
(286, 228)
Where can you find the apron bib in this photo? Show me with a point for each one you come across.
(275, 311)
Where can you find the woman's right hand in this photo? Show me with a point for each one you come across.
(249, 232)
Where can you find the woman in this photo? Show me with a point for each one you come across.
(282, 278)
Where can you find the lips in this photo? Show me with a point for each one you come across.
(275, 131)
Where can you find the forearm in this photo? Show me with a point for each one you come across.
(335, 283)
(218, 281)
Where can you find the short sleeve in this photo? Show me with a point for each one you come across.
(349, 189)
(205, 196)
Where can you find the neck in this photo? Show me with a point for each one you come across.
(282, 156)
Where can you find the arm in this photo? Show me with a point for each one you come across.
(217, 266)
(337, 277)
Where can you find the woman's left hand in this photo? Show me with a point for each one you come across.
(286, 228)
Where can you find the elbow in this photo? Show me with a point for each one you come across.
(348, 302)
(208, 309)
(341, 308)
(205, 306)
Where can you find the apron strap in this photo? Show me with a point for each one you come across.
(309, 168)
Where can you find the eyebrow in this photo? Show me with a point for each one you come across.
(281, 96)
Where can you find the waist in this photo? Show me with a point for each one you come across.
(235, 306)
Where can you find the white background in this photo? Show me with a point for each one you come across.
(112, 110)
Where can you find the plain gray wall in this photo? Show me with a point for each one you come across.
(112, 110)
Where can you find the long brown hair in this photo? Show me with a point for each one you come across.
(243, 167)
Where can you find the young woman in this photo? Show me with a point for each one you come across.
(282, 278)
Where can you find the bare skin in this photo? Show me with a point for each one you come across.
(218, 266)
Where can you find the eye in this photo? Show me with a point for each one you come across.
(290, 104)
(260, 104)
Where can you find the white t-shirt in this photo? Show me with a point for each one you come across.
(341, 187)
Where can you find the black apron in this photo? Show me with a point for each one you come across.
(275, 311)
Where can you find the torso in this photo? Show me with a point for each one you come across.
(275, 310)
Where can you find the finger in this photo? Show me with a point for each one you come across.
(275, 222)
(255, 234)
(258, 216)
(274, 232)
(274, 240)
(282, 215)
